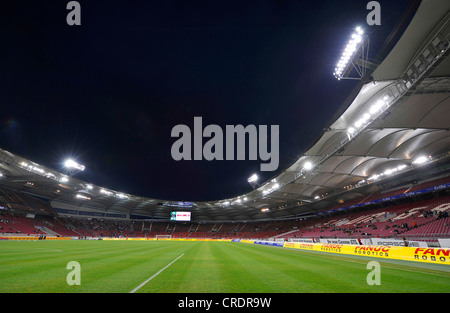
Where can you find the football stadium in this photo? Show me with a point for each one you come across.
(364, 209)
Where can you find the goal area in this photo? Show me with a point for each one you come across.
(163, 237)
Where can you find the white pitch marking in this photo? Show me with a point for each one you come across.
(159, 272)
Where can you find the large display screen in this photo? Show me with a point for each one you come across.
(180, 216)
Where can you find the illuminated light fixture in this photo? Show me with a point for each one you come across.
(351, 130)
(421, 160)
(252, 178)
(90, 187)
(271, 189)
(80, 196)
(39, 170)
(50, 175)
(377, 107)
(390, 171)
(348, 53)
(69, 163)
(121, 196)
(358, 123)
(308, 165)
(374, 177)
(106, 192)
(64, 179)
(402, 167)
(363, 120)
(265, 210)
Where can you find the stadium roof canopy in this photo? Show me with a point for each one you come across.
(397, 124)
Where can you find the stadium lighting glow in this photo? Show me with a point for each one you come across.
(308, 165)
(377, 107)
(348, 53)
(121, 196)
(69, 163)
(388, 172)
(363, 120)
(271, 189)
(401, 167)
(106, 192)
(252, 178)
(79, 196)
(420, 160)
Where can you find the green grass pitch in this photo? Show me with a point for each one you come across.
(201, 267)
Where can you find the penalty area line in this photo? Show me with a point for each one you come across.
(159, 272)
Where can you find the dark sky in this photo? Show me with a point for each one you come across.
(109, 92)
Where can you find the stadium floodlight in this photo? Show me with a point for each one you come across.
(421, 160)
(355, 57)
(402, 167)
(71, 164)
(308, 165)
(80, 196)
(121, 196)
(269, 190)
(252, 180)
(377, 107)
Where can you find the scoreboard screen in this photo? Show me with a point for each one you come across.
(180, 216)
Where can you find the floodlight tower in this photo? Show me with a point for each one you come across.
(354, 61)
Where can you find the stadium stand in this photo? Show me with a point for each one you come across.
(426, 218)
(397, 212)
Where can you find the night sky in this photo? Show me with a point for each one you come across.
(108, 92)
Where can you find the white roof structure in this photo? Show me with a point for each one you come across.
(400, 115)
